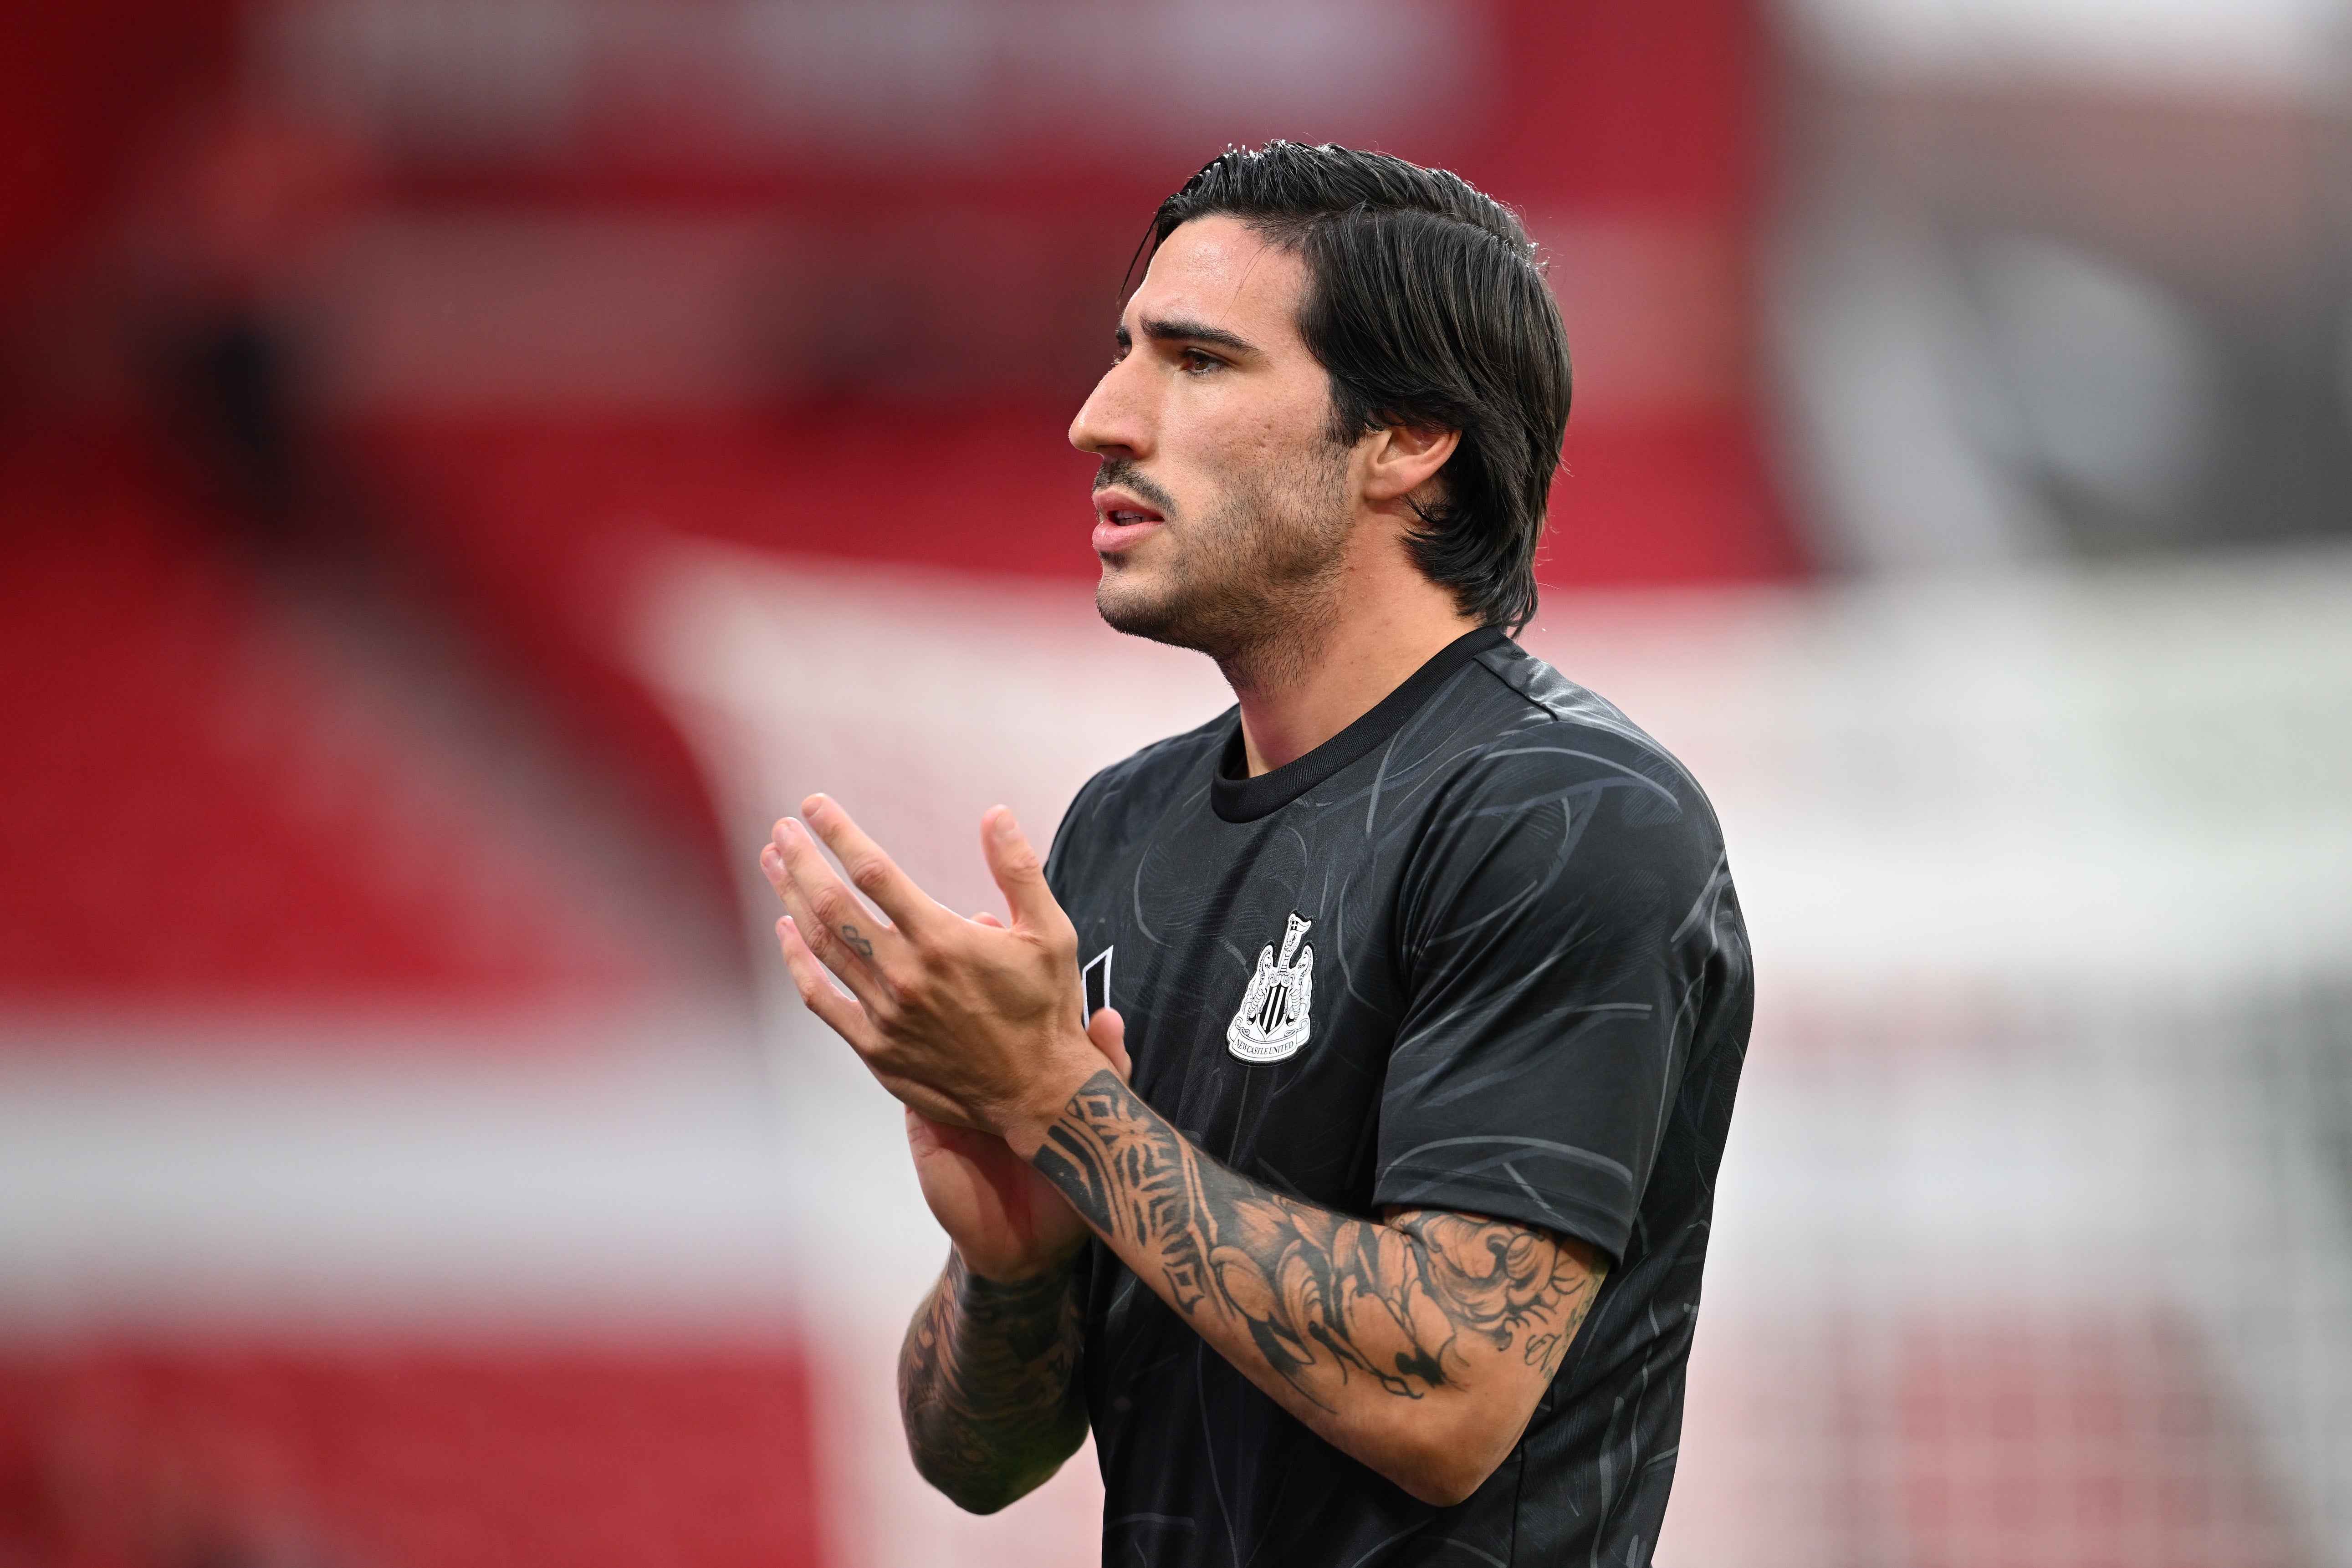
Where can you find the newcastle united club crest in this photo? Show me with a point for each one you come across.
(1272, 1022)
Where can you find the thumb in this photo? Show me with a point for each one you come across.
(1020, 875)
(1107, 1030)
(922, 1133)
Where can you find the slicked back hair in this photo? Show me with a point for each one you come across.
(1427, 306)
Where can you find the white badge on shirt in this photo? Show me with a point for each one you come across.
(1272, 1022)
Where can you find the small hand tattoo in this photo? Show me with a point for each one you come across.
(864, 948)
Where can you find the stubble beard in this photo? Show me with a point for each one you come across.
(1254, 584)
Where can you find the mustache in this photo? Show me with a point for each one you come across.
(1122, 472)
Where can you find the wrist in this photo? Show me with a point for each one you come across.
(1005, 1276)
(1047, 1096)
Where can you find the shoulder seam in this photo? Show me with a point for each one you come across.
(1556, 716)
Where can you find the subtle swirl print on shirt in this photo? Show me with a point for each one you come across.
(1532, 994)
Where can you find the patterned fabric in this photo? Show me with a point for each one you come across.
(1479, 952)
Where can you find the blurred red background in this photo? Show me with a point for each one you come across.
(209, 290)
(343, 385)
(397, 1166)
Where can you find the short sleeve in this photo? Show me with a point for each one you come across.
(1559, 924)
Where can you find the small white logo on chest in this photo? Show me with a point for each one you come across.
(1272, 1021)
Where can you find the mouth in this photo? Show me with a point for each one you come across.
(1120, 520)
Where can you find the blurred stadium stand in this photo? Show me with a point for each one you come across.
(479, 1459)
(447, 447)
(207, 807)
(358, 360)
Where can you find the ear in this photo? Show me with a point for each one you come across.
(1400, 459)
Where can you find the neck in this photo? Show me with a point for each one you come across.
(1301, 690)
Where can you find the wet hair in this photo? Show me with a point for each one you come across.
(1427, 306)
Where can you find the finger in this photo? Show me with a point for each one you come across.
(831, 946)
(925, 1136)
(771, 861)
(871, 872)
(990, 921)
(842, 1014)
(928, 1103)
(1019, 874)
(831, 921)
(778, 872)
(926, 1133)
(1107, 1030)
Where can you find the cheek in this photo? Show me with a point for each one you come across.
(1264, 443)
(1201, 460)
(1295, 440)
(1211, 446)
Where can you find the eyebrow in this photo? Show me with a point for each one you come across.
(1162, 331)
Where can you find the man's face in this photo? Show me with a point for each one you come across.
(1223, 509)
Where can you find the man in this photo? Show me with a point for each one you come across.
(1362, 1215)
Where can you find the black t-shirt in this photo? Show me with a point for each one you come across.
(1479, 952)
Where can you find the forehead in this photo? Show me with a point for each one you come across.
(1219, 272)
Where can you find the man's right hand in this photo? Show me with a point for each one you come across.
(1007, 1221)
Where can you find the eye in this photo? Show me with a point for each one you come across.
(1197, 363)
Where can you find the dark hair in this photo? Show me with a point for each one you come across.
(1427, 306)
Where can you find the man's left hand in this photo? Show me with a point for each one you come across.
(968, 1022)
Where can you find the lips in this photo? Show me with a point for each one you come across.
(1120, 520)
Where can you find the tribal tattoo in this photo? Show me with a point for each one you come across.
(1325, 1296)
(987, 1384)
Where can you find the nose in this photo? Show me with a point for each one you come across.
(1111, 422)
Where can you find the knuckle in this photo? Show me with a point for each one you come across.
(915, 993)
(905, 997)
(870, 875)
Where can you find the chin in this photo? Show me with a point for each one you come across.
(1136, 608)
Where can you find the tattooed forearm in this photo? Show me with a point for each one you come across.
(1513, 1287)
(987, 1384)
(1327, 1300)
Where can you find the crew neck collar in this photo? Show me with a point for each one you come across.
(1235, 797)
